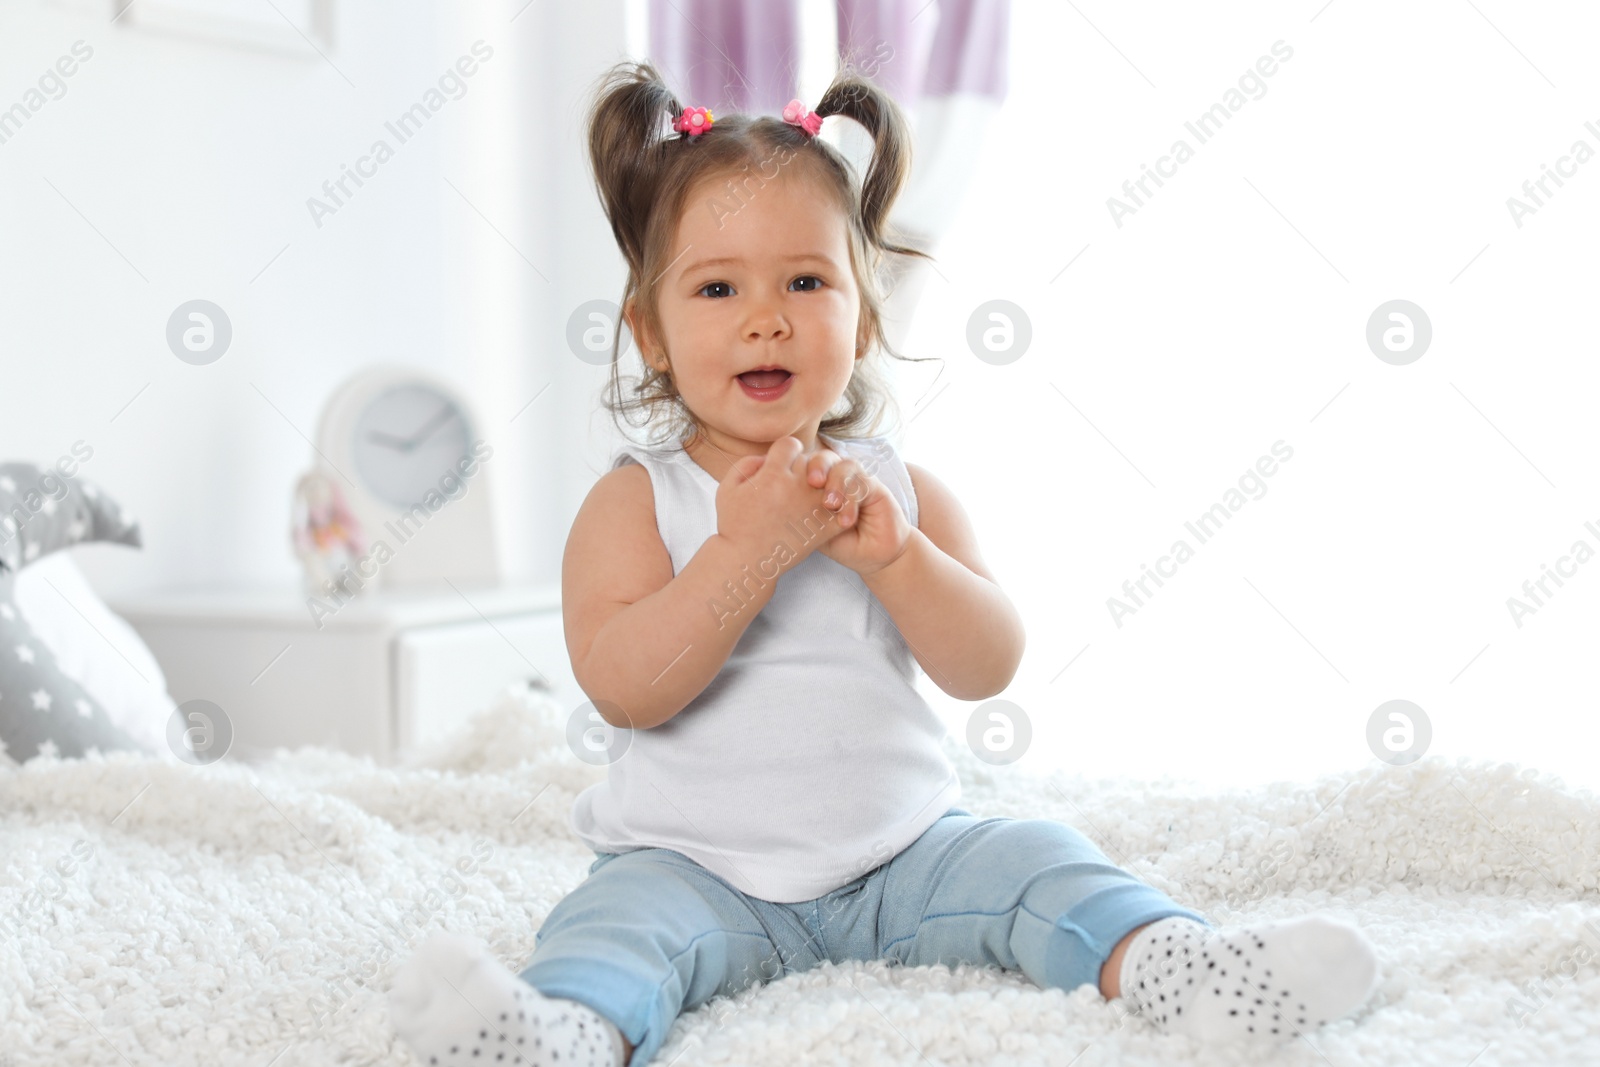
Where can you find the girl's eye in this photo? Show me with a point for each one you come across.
(807, 278)
(716, 285)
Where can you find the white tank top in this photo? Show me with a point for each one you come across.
(810, 758)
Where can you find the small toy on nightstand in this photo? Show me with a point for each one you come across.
(326, 534)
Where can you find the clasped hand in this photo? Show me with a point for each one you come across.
(763, 498)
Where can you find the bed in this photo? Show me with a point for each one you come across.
(161, 912)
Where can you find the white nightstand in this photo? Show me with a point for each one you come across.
(390, 670)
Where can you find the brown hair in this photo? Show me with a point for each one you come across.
(644, 171)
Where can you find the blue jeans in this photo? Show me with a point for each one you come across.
(650, 933)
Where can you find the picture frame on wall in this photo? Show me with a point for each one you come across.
(301, 29)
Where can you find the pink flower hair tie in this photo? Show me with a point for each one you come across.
(795, 114)
(694, 121)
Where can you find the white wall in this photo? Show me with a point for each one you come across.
(1175, 350)
(188, 167)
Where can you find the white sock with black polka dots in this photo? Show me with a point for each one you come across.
(1272, 980)
(458, 1006)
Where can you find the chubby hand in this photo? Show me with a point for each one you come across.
(873, 531)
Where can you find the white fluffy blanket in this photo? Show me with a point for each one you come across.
(159, 913)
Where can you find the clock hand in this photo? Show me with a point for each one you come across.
(432, 424)
(389, 439)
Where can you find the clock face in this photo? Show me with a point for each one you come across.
(406, 440)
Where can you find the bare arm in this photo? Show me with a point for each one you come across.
(644, 643)
(958, 623)
(651, 658)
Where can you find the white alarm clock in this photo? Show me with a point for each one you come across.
(409, 454)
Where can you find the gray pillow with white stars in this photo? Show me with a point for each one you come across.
(42, 709)
(42, 511)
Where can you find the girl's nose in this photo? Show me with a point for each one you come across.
(766, 322)
(767, 328)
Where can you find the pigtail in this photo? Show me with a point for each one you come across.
(855, 97)
(631, 106)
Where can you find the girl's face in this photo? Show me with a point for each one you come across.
(765, 283)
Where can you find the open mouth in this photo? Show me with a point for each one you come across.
(768, 384)
(764, 379)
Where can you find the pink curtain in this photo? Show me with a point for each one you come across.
(743, 53)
